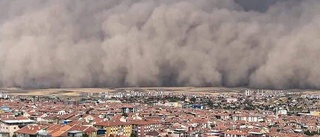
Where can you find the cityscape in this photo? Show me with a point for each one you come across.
(159, 68)
(162, 113)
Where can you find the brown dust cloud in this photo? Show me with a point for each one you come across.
(115, 43)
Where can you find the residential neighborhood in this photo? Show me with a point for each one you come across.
(161, 114)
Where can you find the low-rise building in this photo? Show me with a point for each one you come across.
(12, 125)
(29, 131)
(141, 127)
(115, 128)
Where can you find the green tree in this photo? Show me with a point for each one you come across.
(308, 133)
(14, 135)
(133, 135)
(85, 135)
(210, 104)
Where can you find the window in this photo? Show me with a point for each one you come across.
(14, 127)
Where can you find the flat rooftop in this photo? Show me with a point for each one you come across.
(18, 121)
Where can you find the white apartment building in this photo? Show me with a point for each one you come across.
(10, 126)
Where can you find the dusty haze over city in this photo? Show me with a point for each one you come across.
(270, 44)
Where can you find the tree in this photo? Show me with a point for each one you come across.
(85, 135)
(210, 104)
(193, 99)
(14, 135)
(133, 135)
(308, 133)
(125, 114)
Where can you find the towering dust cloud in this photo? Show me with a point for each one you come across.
(101, 43)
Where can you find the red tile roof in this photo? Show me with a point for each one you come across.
(30, 129)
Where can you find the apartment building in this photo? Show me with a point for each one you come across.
(115, 128)
(142, 127)
(12, 125)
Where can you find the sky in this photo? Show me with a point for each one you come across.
(118, 43)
